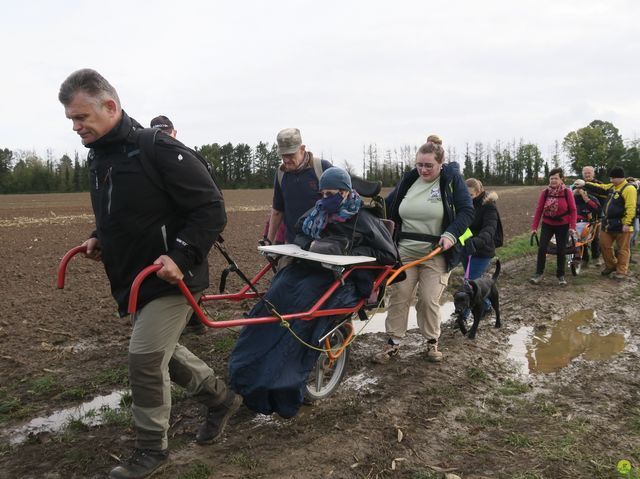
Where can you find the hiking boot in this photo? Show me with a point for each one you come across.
(616, 275)
(536, 279)
(432, 351)
(142, 463)
(607, 271)
(391, 350)
(194, 326)
(562, 281)
(217, 418)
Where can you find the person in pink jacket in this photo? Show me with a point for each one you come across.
(557, 211)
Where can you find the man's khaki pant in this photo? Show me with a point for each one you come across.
(430, 280)
(623, 240)
(156, 358)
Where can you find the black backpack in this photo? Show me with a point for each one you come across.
(145, 140)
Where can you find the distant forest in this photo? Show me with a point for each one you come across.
(513, 163)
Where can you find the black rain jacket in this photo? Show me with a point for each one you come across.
(137, 220)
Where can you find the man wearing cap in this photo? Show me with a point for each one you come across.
(589, 176)
(617, 222)
(139, 224)
(295, 188)
(163, 123)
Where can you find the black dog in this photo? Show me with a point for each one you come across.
(471, 296)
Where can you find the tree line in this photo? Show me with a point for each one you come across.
(598, 144)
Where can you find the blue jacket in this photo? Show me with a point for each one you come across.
(456, 201)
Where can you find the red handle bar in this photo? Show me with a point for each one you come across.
(62, 267)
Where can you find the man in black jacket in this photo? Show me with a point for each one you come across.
(139, 223)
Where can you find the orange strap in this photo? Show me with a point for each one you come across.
(335, 354)
(413, 263)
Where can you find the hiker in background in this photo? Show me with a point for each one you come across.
(556, 210)
(430, 207)
(487, 234)
(588, 174)
(588, 210)
(295, 187)
(165, 125)
(617, 223)
(138, 224)
(636, 221)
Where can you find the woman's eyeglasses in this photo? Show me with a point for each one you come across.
(426, 166)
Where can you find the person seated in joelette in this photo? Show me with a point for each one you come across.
(269, 367)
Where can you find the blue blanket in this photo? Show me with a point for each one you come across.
(268, 367)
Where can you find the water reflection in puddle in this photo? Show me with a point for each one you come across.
(552, 349)
(90, 413)
(376, 323)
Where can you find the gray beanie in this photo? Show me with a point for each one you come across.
(335, 178)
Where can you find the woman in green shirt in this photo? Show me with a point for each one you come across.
(430, 207)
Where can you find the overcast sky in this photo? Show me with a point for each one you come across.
(347, 73)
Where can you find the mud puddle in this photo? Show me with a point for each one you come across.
(90, 413)
(551, 349)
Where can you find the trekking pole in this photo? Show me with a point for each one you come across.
(233, 267)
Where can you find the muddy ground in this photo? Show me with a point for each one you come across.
(552, 394)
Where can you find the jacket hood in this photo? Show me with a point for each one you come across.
(489, 197)
(450, 169)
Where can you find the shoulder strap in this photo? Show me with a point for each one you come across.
(280, 175)
(317, 167)
(145, 140)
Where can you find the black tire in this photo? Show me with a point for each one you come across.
(324, 380)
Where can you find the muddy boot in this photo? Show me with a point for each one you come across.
(607, 271)
(389, 351)
(217, 418)
(432, 351)
(536, 279)
(142, 463)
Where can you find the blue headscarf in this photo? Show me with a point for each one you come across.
(318, 219)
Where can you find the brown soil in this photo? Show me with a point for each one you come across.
(474, 414)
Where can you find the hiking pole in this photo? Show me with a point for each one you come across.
(233, 267)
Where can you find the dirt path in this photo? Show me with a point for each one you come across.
(552, 394)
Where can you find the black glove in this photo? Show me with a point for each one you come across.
(470, 247)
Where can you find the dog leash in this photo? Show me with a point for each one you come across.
(466, 273)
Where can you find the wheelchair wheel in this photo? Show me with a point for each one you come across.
(326, 377)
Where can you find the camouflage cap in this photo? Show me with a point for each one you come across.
(289, 141)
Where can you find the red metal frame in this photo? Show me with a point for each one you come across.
(244, 293)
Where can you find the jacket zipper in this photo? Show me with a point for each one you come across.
(163, 228)
(109, 190)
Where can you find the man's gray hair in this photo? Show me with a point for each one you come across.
(90, 82)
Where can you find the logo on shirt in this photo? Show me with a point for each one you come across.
(435, 194)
